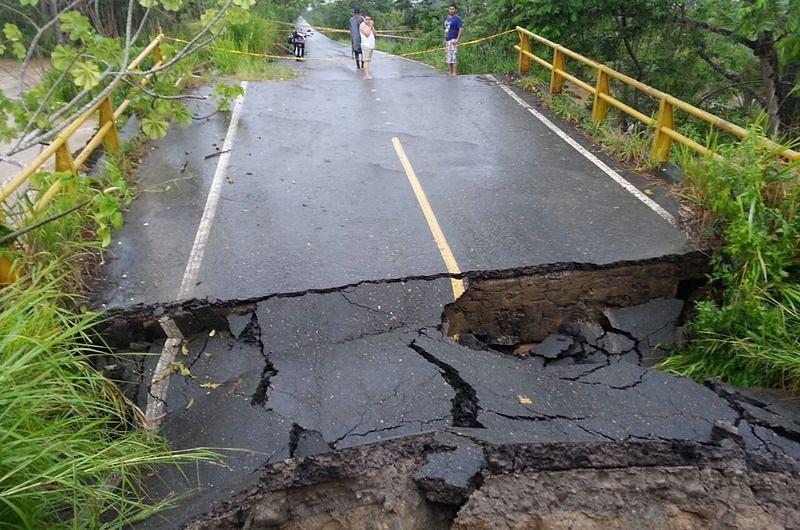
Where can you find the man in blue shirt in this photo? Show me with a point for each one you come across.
(453, 29)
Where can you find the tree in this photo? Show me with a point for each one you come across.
(90, 47)
(770, 30)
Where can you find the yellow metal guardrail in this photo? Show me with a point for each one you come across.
(664, 122)
(107, 134)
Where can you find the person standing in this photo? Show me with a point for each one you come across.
(453, 29)
(355, 35)
(367, 30)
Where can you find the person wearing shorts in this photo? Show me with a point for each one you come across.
(453, 29)
(367, 31)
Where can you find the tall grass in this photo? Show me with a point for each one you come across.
(249, 31)
(748, 332)
(71, 453)
(71, 450)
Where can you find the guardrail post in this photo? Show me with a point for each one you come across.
(111, 140)
(7, 273)
(64, 161)
(524, 46)
(600, 107)
(556, 81)
(662, 143)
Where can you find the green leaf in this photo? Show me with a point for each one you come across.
(85, 74)
(104, 234)
(19, 50)
(12, 32)
(182, 115)
(62, 56)
(32, 3)
(76, 25)
(155, 127)
(172, 5)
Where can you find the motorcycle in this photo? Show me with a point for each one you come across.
(298, 42)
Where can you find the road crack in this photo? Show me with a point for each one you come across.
(465, 405)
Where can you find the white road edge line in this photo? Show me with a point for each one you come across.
(204, 228)
(630, 188)
(155, 410)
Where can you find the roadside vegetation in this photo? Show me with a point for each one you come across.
(744, 59)
(73, 450)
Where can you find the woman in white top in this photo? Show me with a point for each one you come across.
(367, 30)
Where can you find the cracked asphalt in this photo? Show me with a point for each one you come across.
(298, 376)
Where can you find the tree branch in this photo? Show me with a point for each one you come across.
(34, 42)
(696, 24)
(732, 77)
(162, 96)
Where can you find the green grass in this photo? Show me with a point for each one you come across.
(71, 452)
(748, 330)
(71, 448)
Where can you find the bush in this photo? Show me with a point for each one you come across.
(748, 333)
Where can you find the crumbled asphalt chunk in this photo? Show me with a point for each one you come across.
(769, 419)
(614, 343)
(450, 478)
(586, 331)
(305, 442)
(645, 321)
(620, 377)
(553, 346)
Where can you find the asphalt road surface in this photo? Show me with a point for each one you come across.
(313, 192)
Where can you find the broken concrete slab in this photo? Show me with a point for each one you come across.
(652, 323)
(553, 346)
(615, 343)
(450, 477)
(337, 317)
(360, 391)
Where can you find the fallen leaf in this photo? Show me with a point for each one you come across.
(179, 367)
(185, 348)
(189, 405)
(211, 385)
(212, 332)
(648, 192)
(525, 400)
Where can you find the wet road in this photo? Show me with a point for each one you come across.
(315, 195)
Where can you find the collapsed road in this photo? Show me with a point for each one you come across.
(428, 312)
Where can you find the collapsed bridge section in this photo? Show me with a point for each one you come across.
(551, 358)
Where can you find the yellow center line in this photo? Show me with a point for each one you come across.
(433, 224)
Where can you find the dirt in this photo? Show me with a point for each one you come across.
(379, 487)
